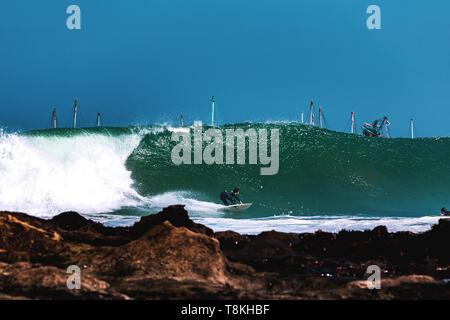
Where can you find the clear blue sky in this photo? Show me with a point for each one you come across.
(145, 61)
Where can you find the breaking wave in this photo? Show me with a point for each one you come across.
(118, 174)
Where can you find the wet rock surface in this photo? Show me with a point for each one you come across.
(168, 256)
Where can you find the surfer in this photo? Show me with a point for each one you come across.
(231, 197)
(444, 212)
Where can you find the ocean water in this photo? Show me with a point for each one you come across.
(327, 180)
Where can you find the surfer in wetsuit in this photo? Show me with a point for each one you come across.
(229, 198)
(444, 212)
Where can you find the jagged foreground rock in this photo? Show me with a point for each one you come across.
(168, 256)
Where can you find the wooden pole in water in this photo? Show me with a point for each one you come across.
(182, 120)
(387, 124)
(75, 107)
(353, 123)
(311, 112)
(98, 120)
(320, 117)
(213, 101)
(302, 118)
(54, 118)
(412, 128)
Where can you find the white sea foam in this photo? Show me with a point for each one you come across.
(208, 213)
(193, 206)
(314, 223)
(86, 173)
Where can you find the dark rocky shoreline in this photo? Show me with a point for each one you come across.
(168, 256)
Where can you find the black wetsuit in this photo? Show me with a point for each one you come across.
(229, 196)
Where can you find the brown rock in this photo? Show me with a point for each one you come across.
(176, 215)
(24, 238)
(33, 281)
(167, 255)
(166, 252)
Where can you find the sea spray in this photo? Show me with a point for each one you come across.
(48, 174)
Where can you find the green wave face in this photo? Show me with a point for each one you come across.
(320, 172)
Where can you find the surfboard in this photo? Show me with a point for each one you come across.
(236, 207)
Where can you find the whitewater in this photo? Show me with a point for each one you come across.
(117, 175)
